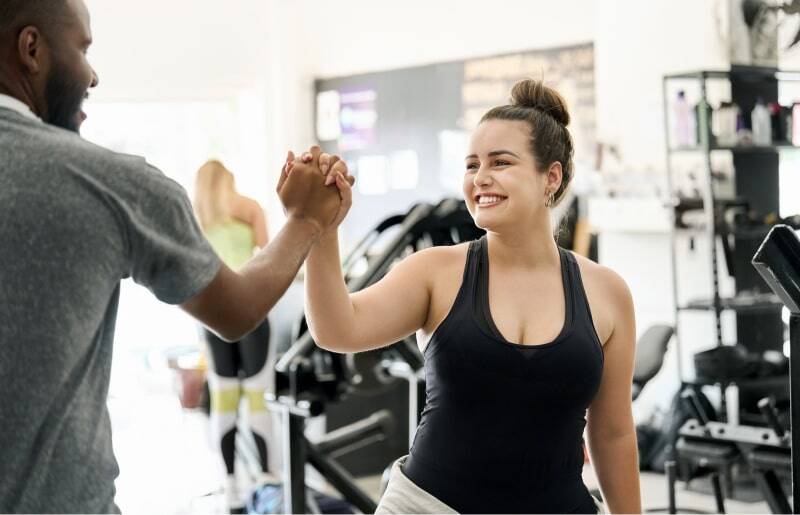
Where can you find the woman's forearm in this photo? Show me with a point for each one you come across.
(329, 311)
(616, 463)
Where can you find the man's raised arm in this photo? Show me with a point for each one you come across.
(235, 302)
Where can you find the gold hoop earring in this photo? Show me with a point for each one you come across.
(550, 200)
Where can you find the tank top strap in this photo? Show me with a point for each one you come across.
(480, 300)
(472, 271)
(582, 310)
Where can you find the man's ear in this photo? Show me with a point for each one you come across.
(32, 50)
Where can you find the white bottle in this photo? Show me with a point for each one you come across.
(724, 121)
(762, 124)
(682, 121)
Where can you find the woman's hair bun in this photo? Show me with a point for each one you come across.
(534, 94)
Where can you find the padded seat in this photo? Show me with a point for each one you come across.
(771, 459)
(712, 453)
(650, 350)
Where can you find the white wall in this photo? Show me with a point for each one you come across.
(360, 36)
(201, 49)
(177, 49)
(636, 43)
(357, 36)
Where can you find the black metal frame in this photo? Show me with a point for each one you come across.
(298, 450)
(764, 449)
(778, 262)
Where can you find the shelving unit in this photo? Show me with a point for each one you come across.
(756, 178)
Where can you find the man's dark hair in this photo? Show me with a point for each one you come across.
(46, 15)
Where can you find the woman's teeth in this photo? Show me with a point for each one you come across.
(489, 200)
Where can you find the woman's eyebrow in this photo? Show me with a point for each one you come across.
(494, 153)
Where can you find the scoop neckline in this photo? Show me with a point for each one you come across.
(494, 333)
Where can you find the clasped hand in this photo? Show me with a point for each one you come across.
(316, 188)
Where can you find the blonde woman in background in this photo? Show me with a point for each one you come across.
(236, 227)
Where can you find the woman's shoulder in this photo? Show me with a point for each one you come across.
(435, 262)
(441, 256)
(246, 204)
(601, 275)
(245, 209)
(609, 295)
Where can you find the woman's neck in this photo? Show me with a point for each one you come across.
(529, 246)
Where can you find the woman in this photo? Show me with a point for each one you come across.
(236, 227)
(521, 338)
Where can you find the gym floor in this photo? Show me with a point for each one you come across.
(168, 466)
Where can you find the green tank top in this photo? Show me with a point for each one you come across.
(233, 242)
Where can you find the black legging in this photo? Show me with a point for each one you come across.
(237, 368)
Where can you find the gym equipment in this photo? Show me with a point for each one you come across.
(650, 350)
(765, 461)
(308, 378)
(696, 447)
(778, 262)
(298, 450)
(734, 363)
(766, 450)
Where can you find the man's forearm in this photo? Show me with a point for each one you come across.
(267, 276)
(234, 303)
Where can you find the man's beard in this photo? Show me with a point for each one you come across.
(64, 99)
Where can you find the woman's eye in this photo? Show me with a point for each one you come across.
(471, 167)
(500, 162)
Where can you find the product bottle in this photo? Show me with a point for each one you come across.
(718, 122)
(741, 134)
(703, 115)
(682, 121)
(762, 124)
(725, 122)
(775, 120)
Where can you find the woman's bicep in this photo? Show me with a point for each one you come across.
(394, 307)
(610, 411)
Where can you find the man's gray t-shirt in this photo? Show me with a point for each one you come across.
(75, 219)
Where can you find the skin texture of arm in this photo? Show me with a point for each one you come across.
(234, 303)
(391, 309)
(610, 428)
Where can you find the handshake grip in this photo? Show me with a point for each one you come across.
(305, 196)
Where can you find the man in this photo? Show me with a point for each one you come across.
(74, 220)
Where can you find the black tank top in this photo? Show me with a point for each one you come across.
(502, 430)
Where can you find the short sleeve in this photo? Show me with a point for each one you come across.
(168, 253)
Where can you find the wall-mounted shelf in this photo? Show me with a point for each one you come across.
(756, 179)
(737, 148)
(740, 304)
(741, 73)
